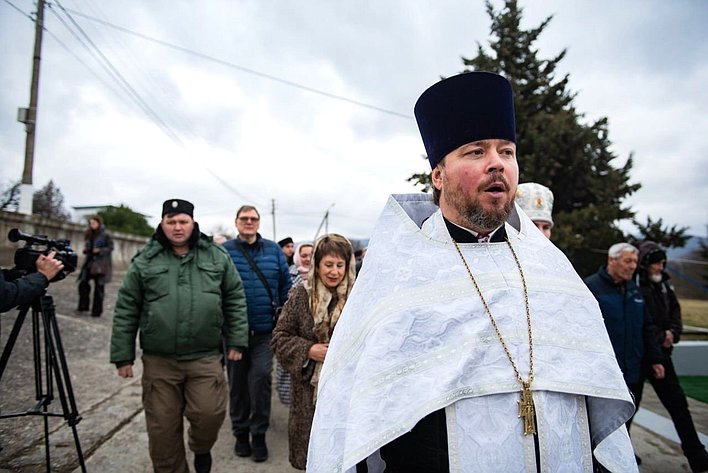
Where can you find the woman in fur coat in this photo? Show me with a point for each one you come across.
(301, 336)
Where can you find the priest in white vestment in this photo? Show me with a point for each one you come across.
(469, 343)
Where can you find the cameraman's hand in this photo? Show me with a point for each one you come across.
(48, 266)
(125, 371)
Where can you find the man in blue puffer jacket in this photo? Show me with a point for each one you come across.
(628, 323)
(250, 378)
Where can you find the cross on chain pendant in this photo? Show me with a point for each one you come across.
(527, 410)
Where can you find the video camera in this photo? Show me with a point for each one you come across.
(26, 256)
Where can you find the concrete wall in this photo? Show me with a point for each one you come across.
(124, 245)
(690, 358)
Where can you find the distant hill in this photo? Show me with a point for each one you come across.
(688, 272)
(692, 246)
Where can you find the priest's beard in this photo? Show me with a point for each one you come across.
(472, 214)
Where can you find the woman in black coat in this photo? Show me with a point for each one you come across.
(97, 266)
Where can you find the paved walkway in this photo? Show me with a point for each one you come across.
(112, 429)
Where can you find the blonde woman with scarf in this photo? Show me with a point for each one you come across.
(303, 259)
(301, 337)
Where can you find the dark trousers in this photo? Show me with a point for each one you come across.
(669, 392)
(85, 293)
(250, 387)
(423, 449)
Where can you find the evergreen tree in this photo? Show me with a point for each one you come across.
(655, 231)
(48, 202)
(555, 147)
(10, 198)
(124, 219)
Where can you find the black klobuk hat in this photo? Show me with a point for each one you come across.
(464, 108)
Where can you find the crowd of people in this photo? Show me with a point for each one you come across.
(465, 341)
(440, 353)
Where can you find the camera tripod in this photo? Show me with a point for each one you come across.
(49, 368)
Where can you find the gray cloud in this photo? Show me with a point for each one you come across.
(640, 63)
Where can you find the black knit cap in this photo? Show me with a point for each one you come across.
(650, 252)
(464, 108)
(177, 206)
(285, 241)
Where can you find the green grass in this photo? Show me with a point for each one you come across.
(695, 387)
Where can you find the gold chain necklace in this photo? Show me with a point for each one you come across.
(526, 407)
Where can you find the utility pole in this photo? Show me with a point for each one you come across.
(325, 222)
(272, 206)
(28, 116)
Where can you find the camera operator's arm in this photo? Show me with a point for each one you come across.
(25, 289)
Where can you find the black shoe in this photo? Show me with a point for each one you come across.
(639, 460)
(260, 450)
(202, 462)
(699, 462)
(242, 447)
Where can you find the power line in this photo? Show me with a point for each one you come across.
(116, 74)
(244, 69)
(18, 9)
(113, 72)
(128, 62)
(69, 50)
(139, 100)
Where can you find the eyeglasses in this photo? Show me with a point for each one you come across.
(249, 219)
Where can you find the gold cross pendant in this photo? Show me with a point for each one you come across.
(527, 411)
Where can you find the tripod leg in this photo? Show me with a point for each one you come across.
(12, 338)
(57, 360)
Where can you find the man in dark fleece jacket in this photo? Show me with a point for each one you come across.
(665, 312)
(266, 282)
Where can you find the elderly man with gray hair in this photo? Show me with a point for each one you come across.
(628, 323)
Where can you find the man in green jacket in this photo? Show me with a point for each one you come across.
(180, 291)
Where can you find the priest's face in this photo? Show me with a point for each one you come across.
(477, 184)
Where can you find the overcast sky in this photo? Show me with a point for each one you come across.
(310, 104)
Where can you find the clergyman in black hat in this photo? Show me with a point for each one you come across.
(469, 343)
(178, 292)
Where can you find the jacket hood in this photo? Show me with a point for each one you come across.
(650, 252)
